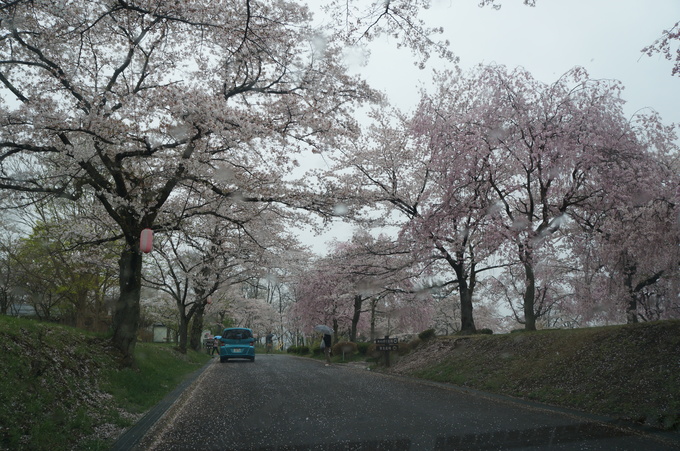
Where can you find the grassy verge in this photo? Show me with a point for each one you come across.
(62, 388)
(630, 372)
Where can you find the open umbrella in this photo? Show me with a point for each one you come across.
(323, 329)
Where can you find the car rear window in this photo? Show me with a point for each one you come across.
(237, 334)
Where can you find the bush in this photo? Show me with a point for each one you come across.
(344, 348)
(363, 348)
(485, 331)
(403, 348)
(372, 351)
(415, 343)
(427, 335)
(299, 350)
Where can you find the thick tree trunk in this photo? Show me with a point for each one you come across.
(127, 311)
(197, 328)
(335, 330)
(631, 306)
(529, 298)
(374, 306)
(183, 332)
(465, 291)
(358, 301)
(631, 312)
(467, 321)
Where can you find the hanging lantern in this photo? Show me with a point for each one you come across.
(146, 241)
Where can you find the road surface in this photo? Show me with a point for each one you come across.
(289, 403)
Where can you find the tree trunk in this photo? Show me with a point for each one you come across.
(374, 306)
(467, 320)
(197, 328)
(631, 306)
(335, 330)
(358, 301)
(529, 297)
(183, 332)
(127, 311)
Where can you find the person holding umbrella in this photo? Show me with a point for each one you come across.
(325, 341)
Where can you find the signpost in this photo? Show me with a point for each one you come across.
(387, 344)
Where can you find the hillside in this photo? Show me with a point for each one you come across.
(630, 372)
(62, 388)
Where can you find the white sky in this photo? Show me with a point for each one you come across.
(604, 36)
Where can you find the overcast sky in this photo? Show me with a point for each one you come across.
(604, 36)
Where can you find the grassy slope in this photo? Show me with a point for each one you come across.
(630, 372)
(62, 388)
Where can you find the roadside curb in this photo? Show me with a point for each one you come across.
(133, 435)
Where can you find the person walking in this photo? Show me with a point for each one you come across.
(269, 340)
(216, 346)
(326, 345)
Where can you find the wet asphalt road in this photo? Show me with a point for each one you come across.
(288, 403)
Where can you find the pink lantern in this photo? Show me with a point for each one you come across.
(146, 241)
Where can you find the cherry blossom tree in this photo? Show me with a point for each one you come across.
(630, 241)
(358, 21)
(425, 172)
(555, 147)
(363, 275)
(668, 45)
(492, 169)
(158, 109)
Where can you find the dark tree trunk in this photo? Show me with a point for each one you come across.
(467, 321)
(374, 306)
(358, 301)
(335, 330)
(197, 328)
(183, 333)
(631, 306)
(529, 298)
(465, 291)
(127, 311)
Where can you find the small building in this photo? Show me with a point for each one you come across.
(161, 333)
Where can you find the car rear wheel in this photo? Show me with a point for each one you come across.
(223, 359)
(252, 359)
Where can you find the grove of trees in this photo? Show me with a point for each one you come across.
(499, 200)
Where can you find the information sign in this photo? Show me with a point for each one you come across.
(387, 347)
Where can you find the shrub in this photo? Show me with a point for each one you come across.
(372, 351)
(299, 350)
(485, 331)
(344, 348)
(427, 334)
(403, 348)
(363, 348)
(415, 343)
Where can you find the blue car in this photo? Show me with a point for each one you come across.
(237, 343)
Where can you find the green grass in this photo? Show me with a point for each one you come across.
(62, 388)
(630, 372)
